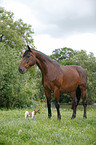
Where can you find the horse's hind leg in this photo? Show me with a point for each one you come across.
(57, 105)
(84, 101)
(74, 104)
(78, 95)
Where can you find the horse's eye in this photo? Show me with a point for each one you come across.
(28, 56)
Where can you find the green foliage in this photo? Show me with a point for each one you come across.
(12, 84)
(15, 89)
(15, 129)
(62, 53)
(16, 34)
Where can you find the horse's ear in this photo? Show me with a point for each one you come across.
(28, 48)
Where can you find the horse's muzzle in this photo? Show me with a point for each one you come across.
(21, 71)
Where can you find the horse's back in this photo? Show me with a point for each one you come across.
(82, 74)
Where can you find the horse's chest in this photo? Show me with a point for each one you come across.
(48, 84)
(51, 83)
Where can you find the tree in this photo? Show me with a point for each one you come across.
(15, 89)
(16, 34)
(62, 54)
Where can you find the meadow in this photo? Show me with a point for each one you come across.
(16, 130)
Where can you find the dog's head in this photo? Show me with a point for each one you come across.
(37, 111)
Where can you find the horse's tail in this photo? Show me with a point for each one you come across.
(78, 94)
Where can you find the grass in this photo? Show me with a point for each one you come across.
(16, 130)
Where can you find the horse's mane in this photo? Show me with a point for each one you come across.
(47, 57)
(42, 54)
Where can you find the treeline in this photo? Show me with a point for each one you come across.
(17, 90)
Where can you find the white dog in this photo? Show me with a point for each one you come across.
(33, 114)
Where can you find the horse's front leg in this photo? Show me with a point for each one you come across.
(57, 105)
(48, 96)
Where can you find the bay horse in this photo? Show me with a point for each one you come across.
(56, 78)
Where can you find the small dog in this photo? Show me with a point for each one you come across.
(33, 114)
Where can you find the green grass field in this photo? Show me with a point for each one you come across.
(16, 130)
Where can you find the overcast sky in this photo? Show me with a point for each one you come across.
(58, 23)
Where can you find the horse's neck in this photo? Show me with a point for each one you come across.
(45, 63)
(42, 61)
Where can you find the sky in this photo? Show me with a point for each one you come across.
(58, 23)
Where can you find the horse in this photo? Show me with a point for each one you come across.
(57, 78)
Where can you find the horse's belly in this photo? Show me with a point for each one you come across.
(68, 88)
(65, 82)
(69, 84)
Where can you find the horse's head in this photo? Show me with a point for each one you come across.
(27, 61)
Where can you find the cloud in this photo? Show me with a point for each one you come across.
(60, 18)
(57, 18)
(66, 19)
(47, 44)
(58, 23)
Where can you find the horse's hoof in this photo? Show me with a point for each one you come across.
(85, 117)
(59, 118)
(73, 117)
(49, 116)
